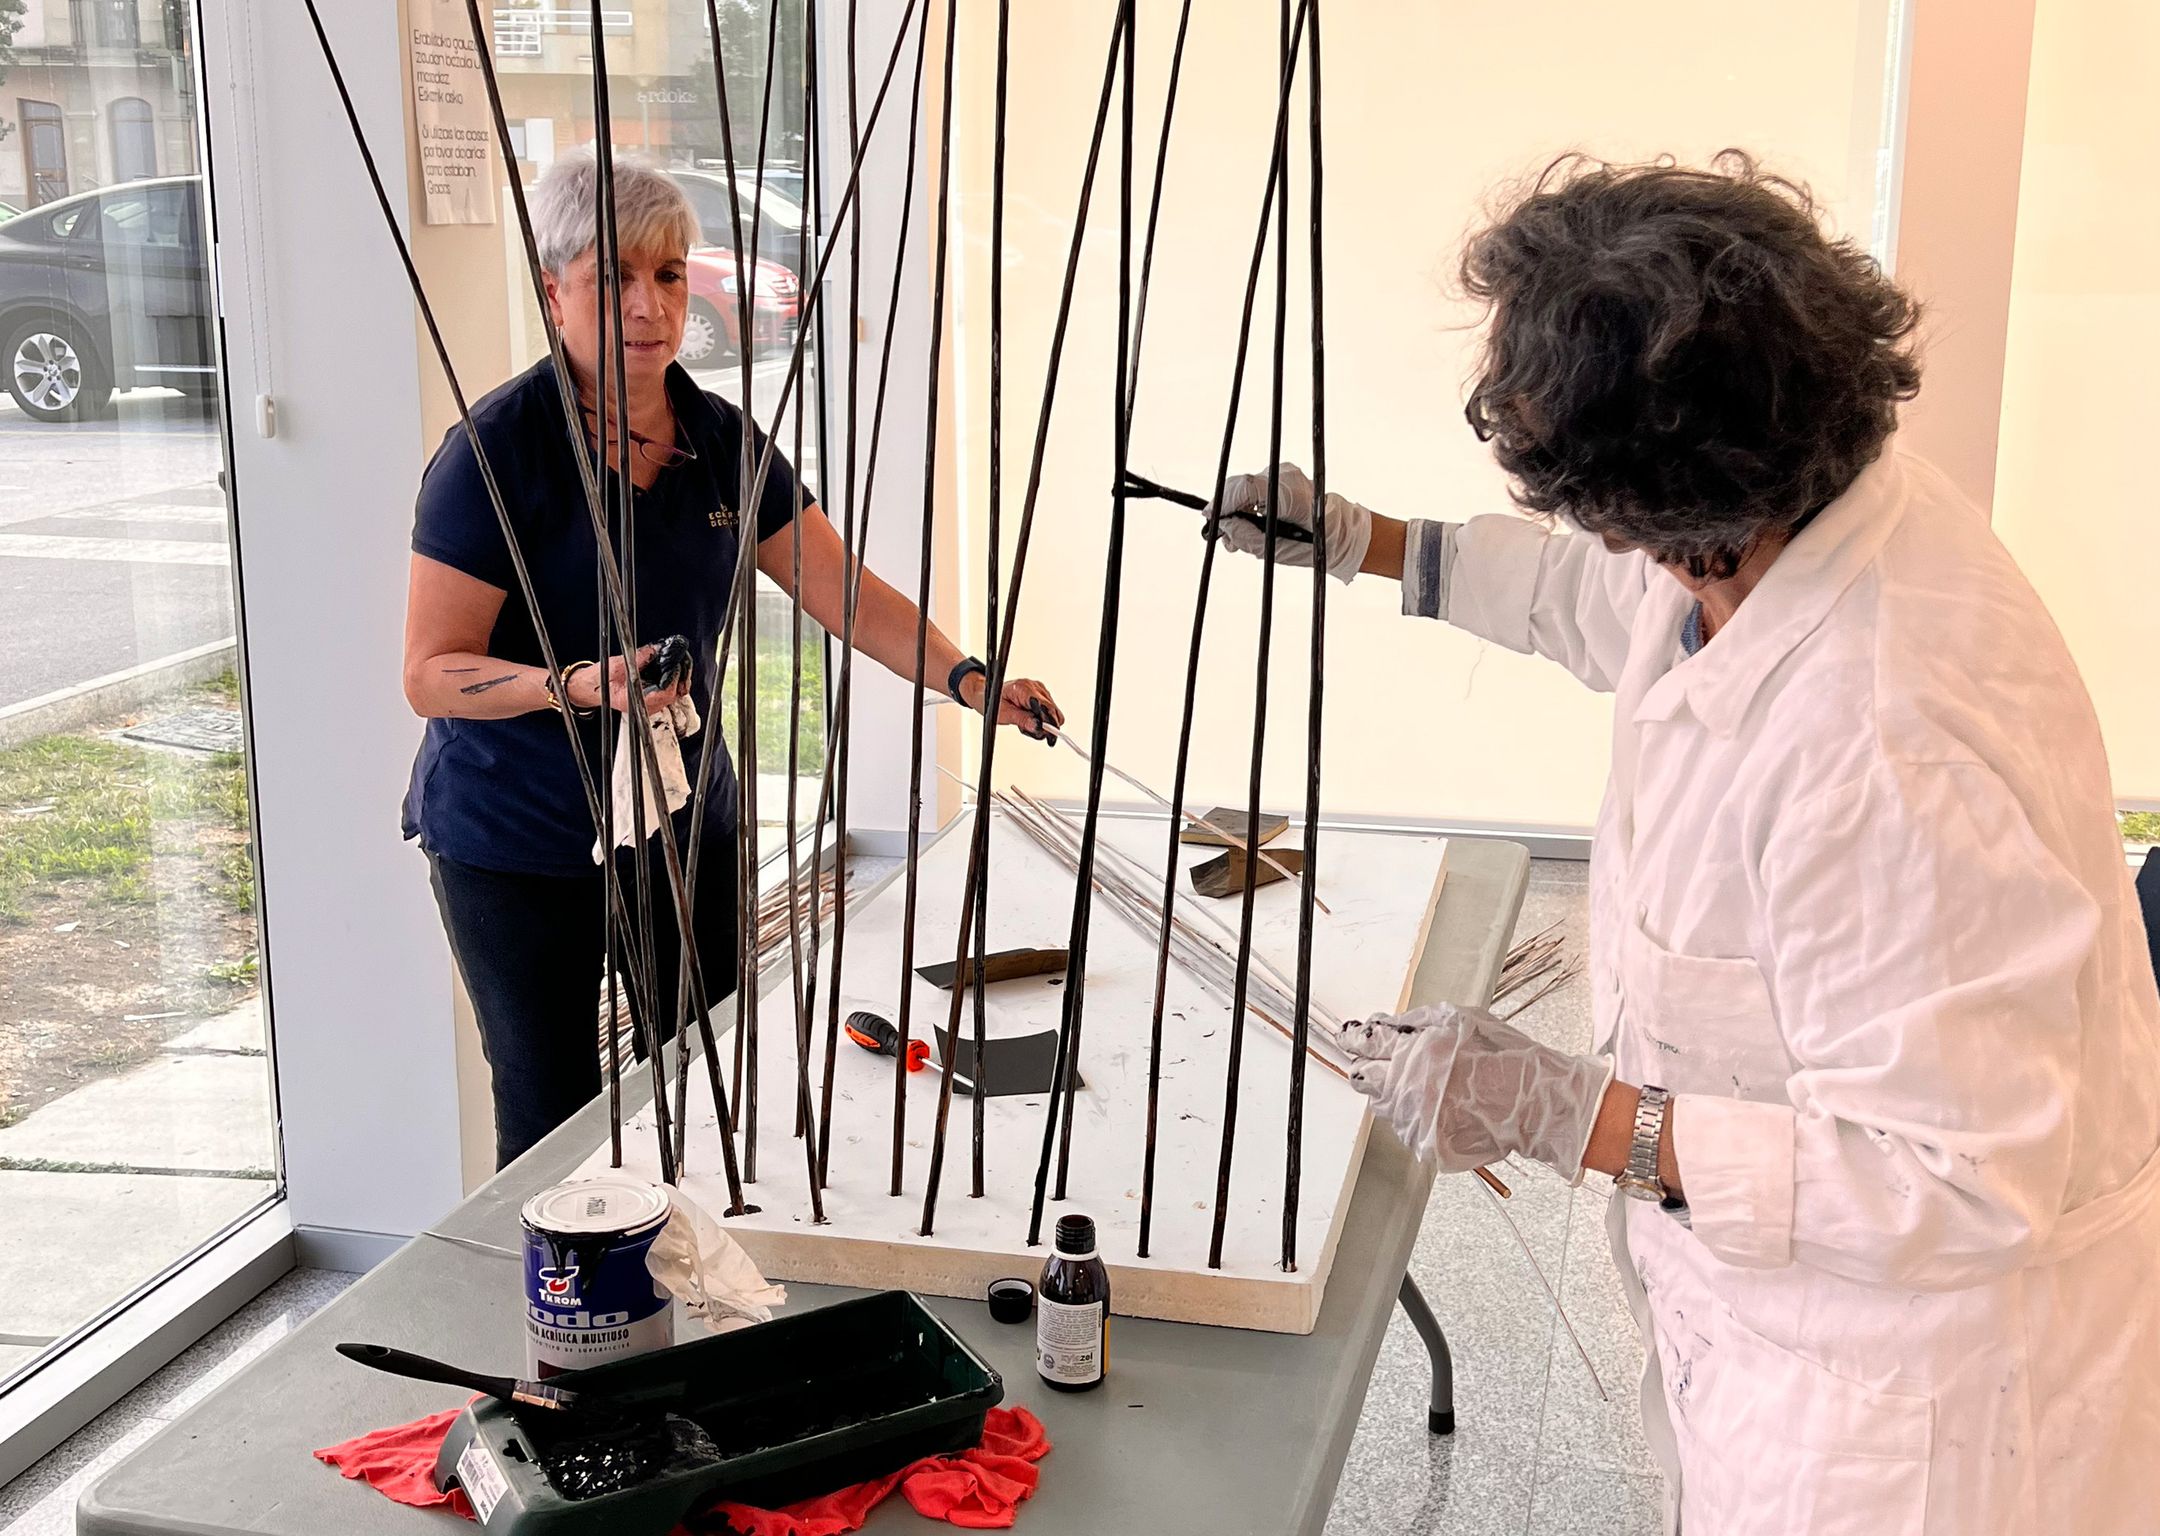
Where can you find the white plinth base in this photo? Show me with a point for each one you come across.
(1382, 888)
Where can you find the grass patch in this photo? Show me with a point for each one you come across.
(81, 808)
(235, 972)
(2140, 826)
(774, 681)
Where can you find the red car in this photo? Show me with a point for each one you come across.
(713, 331)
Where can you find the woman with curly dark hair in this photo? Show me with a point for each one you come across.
(1877, 1040)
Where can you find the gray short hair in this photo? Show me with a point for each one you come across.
(650, 209)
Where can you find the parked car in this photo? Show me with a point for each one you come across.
(786, 180)
(779, 228)
(713, 330)
(8, 211)
(104, 290)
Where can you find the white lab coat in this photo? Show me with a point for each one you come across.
(1859, 901)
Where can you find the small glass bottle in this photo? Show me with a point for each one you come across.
(1072, 1312)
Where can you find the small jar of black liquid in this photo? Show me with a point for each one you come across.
(1072, 1312)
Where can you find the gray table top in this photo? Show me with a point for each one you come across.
(1197, 1429)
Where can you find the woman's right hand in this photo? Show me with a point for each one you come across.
(621, 685)
(1244, 509)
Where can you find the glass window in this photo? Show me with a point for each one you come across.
(107, 23)
(135, 1093)
(134, 139)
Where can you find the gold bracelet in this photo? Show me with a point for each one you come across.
(558, 703)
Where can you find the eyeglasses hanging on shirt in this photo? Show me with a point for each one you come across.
(654, 452)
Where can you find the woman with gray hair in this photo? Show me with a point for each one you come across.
(495, 798)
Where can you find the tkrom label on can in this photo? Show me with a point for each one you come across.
(589, 1297)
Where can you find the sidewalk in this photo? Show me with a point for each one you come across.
(108, 1185)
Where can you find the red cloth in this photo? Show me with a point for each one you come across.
(979, 1489)
(400, 1462)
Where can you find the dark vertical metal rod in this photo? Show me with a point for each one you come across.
(1058, 1120)
(1260, 675)
(1000, 113)
(911, 879)
(810, 315)
(607, 254)
(1309, 883)
(979, 849)
(1132, 392)
(742, 609)
(810, 327)
(1199, 632)
(843, 695)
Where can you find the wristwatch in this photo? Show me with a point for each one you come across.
(960, 673)
(1640, 1177)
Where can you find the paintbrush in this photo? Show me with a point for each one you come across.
(396, 1362)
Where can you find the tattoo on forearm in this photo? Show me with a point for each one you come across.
(454, 671)
(493, 682)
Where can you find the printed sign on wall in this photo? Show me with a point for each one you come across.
(450, 115)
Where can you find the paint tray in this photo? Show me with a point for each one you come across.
(766, 1415)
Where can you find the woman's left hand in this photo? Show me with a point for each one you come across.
(1462, 1089)
(1026, 703)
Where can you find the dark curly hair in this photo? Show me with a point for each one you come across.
(1680, 358)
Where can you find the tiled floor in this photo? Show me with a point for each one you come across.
(1537, 1450)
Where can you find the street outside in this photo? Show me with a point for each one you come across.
(112, 542)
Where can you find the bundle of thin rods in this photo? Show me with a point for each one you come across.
(1221, 960)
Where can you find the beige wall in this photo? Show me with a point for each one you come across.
(1428, 108)
(1957, 220)
(2075, 496)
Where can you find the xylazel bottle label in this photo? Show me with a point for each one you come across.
(1069, 1341)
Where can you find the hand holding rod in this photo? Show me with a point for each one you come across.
(1138, 486)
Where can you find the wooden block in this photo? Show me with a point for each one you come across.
(1224, 875)
(1226, 828)
(999, 965)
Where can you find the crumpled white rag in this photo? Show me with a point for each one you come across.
(707, 1270)
(668, 727)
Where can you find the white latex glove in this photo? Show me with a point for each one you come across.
(1462, 1089)
(1349, 526)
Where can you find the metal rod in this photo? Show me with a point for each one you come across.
(1199, 630)
(1260, 670)
(911, 880)
(1308, 886)
(1058, 1115)
(979, 852)
(853, 574)
(979, 1005)
(844, 693)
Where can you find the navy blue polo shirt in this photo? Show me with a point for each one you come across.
(504, 794)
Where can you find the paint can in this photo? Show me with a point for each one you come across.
(589, 1298)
